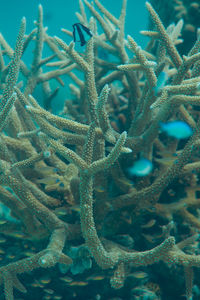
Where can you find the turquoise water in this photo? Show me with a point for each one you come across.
(61, 14)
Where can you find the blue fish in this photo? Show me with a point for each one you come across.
(177, 129)
(161, 82)
(61, 185)
(141, 167)
(82, 31)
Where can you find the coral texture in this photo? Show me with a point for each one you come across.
(174, 10)
(66, 189)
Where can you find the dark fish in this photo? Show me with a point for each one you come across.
(81, 30)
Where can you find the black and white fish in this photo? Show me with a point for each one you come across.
(81, 31)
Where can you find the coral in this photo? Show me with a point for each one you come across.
(187, 10)
(66, 189)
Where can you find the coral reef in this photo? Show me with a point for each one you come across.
(174, 10)
(71, 195)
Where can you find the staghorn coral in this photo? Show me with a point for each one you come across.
(65, 179)
(174, 10)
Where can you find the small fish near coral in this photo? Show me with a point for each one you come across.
(141, 167)
(177, 129)
(82, 32)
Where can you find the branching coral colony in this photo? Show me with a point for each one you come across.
(52, 164)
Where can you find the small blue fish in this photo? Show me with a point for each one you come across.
(82, 31)
(177, 129)
(61, 185)
(141, 167)
(161, 82)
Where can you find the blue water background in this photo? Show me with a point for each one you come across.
(61, 13)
